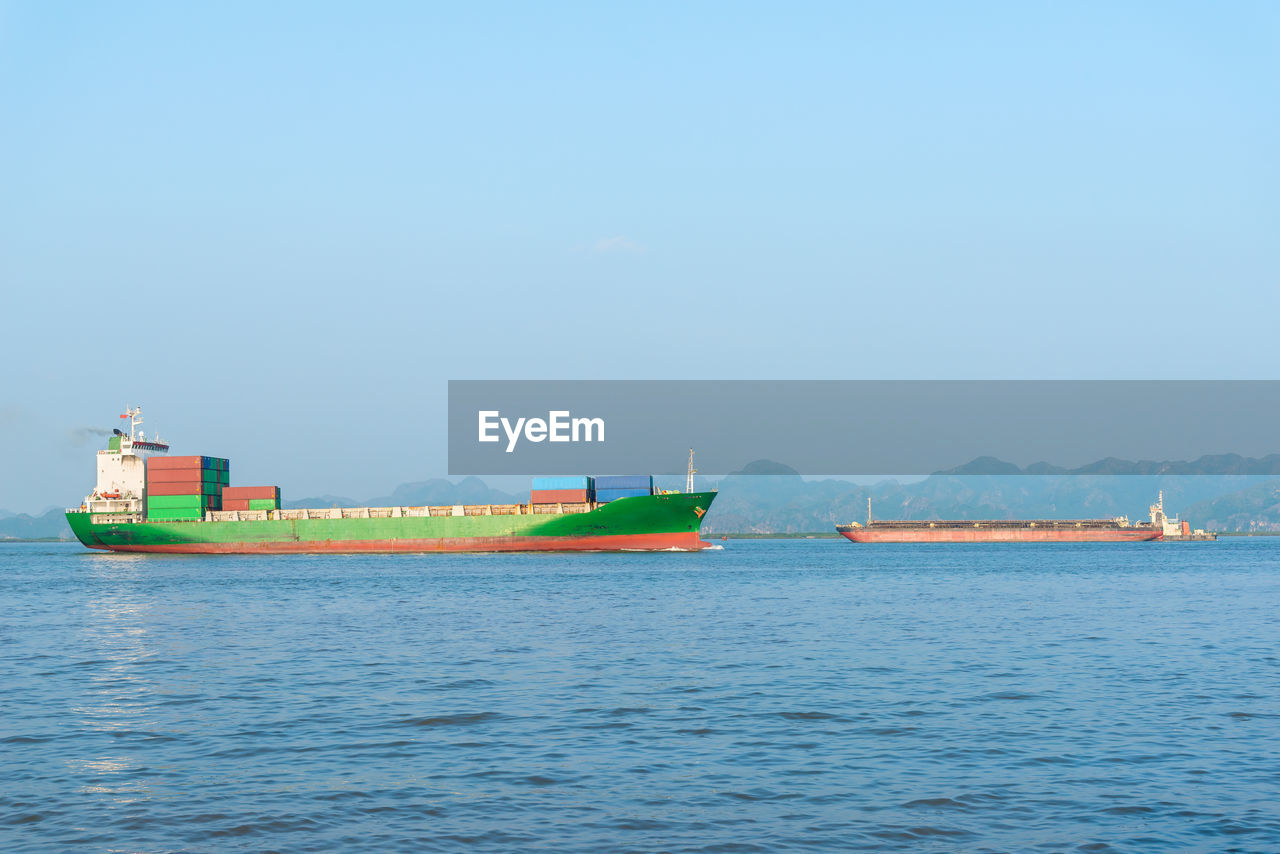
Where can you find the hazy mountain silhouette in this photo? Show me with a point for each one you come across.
(1210, 464)
(50, 524)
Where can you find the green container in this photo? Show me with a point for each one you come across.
(263, 504)
(210, 475)
(224, 478)
(166, 512)
(164, 502)
(178, 502)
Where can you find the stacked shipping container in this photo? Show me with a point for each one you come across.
(578, 489)
(613, 487)
(251, 498)
(183, 488)
(562, 490)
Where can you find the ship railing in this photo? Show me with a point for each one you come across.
(115, 505)
(239, 515)
(115, 518)
(304, 513)
(406, 512)
(497, 509)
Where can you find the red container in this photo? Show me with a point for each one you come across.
(156, 463)
(235, 503)
(187, 488)
(173, 476)
(247, 492)
(559, 496)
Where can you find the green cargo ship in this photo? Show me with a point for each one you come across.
(115, 517)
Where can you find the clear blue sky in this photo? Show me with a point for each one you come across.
(283, 227)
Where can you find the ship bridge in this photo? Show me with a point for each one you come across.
(122, 468)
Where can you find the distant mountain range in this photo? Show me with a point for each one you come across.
(22, 526)
(438, 491)
(1256, 508)
(1210, 464)
(781, 503)
(768, 497)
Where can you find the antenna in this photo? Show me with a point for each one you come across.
(688, 480)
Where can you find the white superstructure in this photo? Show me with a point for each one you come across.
(1171, 527)
(122, 468)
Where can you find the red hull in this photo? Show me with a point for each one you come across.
(688, 541)
(998, 535)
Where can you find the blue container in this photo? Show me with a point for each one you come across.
(604, 496)
(569, 482)
(625, 481)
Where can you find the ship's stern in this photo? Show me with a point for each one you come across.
(81, 524)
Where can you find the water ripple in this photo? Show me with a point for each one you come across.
(772, 696)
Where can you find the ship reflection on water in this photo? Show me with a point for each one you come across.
(118, 698)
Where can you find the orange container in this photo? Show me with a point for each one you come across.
(247, 492)
(559, 496)
(174, 463)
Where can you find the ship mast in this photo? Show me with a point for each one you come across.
(688, 479)
(136, 440)
(868, 509)
(134, 414)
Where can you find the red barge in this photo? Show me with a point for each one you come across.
(1117, 530)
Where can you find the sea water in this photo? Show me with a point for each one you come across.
(770, 696)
